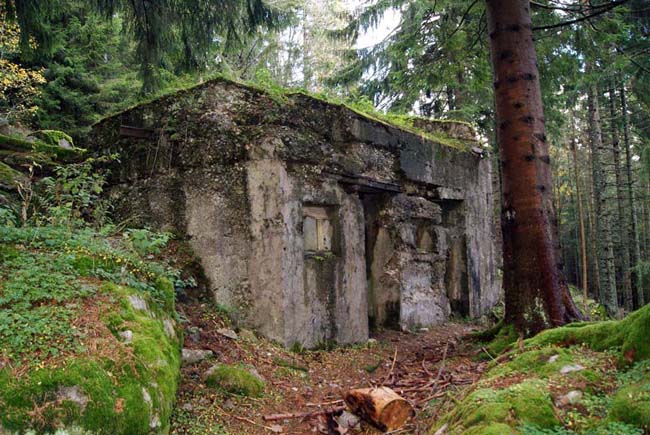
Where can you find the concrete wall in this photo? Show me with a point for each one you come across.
(232, 170)
(408, 264)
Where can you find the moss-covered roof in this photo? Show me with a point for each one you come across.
(407, 123)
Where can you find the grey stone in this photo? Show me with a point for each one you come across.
(146, 397)
(348, 421)
(553, 358)
(253, 371)
(569, 368)
(228, 333)
(570, 398)
(63, 143)
(154, 421)
(126, 336)
(193, 356)
(73, 394)
(248, 335)
(170, 329)
(194, 334)
(137, 303)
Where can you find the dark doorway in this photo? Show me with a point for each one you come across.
(456, 283)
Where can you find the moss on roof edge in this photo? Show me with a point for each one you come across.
(282, 95)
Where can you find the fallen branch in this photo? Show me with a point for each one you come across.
(333, 402)
(291, 415)
(488, 353)
(392, 366)
(442, 366)
(425, 369)
(244, 419)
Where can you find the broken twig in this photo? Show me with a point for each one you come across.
(442, 366)
(392, 366)
(290, 415)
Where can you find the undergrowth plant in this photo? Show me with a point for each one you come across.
(53, 259)
(72, 197)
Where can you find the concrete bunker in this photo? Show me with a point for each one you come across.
(314, 223)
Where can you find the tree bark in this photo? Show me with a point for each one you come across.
(581, 218)
(606, 268)
(533, 277)
(381, 407)
(635, 250)
(623, 227)
(593, 232)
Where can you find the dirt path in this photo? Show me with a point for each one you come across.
(431, 369)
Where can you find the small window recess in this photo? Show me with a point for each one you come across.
(318, 230)
(426, 238)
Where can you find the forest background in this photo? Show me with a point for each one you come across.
(67, 63)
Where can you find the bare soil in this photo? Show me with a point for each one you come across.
(432, 369)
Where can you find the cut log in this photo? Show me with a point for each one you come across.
(381, 407)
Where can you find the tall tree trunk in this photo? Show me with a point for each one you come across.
(533, 275)
(459, 99)
(635, 250)
(623, 226)
(607, 271)
(307, 50)
(581, 218)
(646, 221)
(593, 231)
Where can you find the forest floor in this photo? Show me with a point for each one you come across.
(589, 378)
(431, 368)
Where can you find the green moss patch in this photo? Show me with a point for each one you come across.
(631, 403)
(10, 178)
(504, 339)
(629, 335)
(18, 144)
(559, 388)
(68, 299)
(129, 391)
(235, 379)
(53, 137)
(489, 410)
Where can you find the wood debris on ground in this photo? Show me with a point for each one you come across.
(304, 391)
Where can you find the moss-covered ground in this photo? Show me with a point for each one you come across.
(88, 333)
(587, 378)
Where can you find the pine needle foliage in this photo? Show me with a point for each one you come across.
(178, 35)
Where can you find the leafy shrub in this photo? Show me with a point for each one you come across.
(146, 242)
(73, 196)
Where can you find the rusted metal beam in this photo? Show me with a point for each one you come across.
(143, 133)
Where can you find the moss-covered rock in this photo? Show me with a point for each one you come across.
(60, 153)
(630, 335)
(235, 379)
(129, 390)
(542, 363)
(9, 177)
(631, 403)
(491, 411)
(54, 138)
(525, 392)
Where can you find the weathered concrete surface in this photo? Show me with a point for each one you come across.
(403, 232)
(409, 263)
